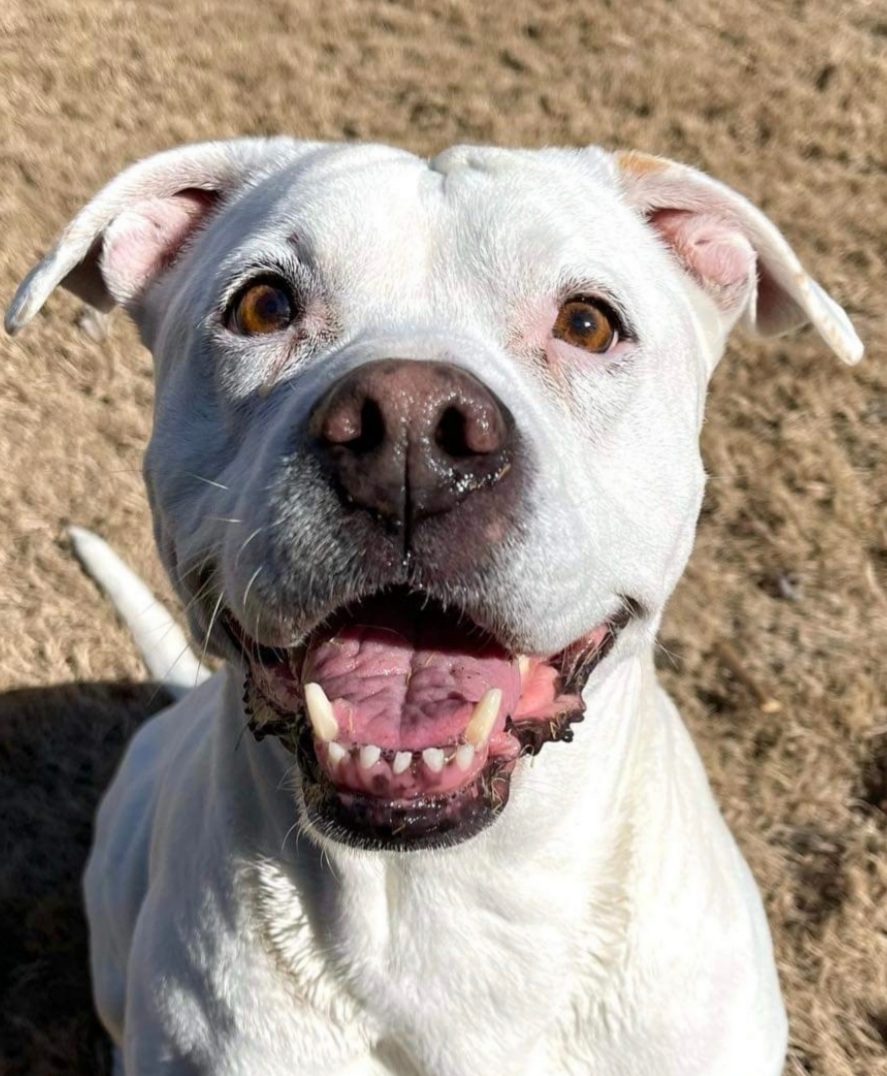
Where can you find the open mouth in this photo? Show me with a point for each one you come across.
(407, 719)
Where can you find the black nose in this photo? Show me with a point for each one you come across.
(406, 439)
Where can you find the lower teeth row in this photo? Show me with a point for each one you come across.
(435, 758)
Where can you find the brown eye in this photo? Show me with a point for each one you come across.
(587, 324)
(263, 307)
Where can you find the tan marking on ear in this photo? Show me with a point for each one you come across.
(640, 164)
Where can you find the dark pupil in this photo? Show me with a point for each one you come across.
(270, 305)
(583, 321)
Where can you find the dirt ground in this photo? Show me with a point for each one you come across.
(774, 643)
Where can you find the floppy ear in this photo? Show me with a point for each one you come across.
(734, 252)
(137, 226)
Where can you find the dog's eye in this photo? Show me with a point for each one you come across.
(587, 323)
(264, 306)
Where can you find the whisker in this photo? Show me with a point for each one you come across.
(296, 825)
(159, 687)
(257, 655)
(255, 533)
(212, 621)
(252, 580)
(197, 595)
(661, 648)
(197, 567)
(208, 481)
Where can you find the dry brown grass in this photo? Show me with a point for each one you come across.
(786, 596)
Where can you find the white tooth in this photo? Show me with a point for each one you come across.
(483, 717)
(336, 752)
(433, 758)
(369, 755)
(320, 713)
(523, 664)
(402, 761)
(464, 756)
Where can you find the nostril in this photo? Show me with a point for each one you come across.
(469, 431)
(360, 430)
(372, 428)
(450, 435)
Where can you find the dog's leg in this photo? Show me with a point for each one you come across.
(161, 642)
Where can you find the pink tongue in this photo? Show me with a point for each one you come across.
(406, 679)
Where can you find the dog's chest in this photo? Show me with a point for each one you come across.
(447, 969)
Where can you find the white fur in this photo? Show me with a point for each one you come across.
(606, 924)
(158, 638)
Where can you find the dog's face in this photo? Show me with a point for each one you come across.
(425, 454)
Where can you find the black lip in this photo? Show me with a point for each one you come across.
(400, 826)
(365, 823)
(372, 823)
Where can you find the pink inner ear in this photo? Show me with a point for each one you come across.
(146, 238)
(716, 252)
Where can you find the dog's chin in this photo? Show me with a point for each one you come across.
(380, 823)
(407, 719)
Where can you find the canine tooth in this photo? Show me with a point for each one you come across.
(336, 752)
(369, 755)
(523, 664)
(483, 717)
(320, 713)
(433, 758)
(402, 761)
(464, 756)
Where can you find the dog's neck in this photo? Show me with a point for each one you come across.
(426, 940)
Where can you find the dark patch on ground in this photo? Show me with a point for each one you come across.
(878, 1021)
(58, 749)
(821, 885)
(873, 779)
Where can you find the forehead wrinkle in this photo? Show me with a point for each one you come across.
(524, 234)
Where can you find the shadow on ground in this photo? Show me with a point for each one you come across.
(59, 746)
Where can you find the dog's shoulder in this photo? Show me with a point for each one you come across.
(141, 797)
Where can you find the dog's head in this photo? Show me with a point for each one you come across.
(425, 451)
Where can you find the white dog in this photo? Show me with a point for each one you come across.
(425, 470)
